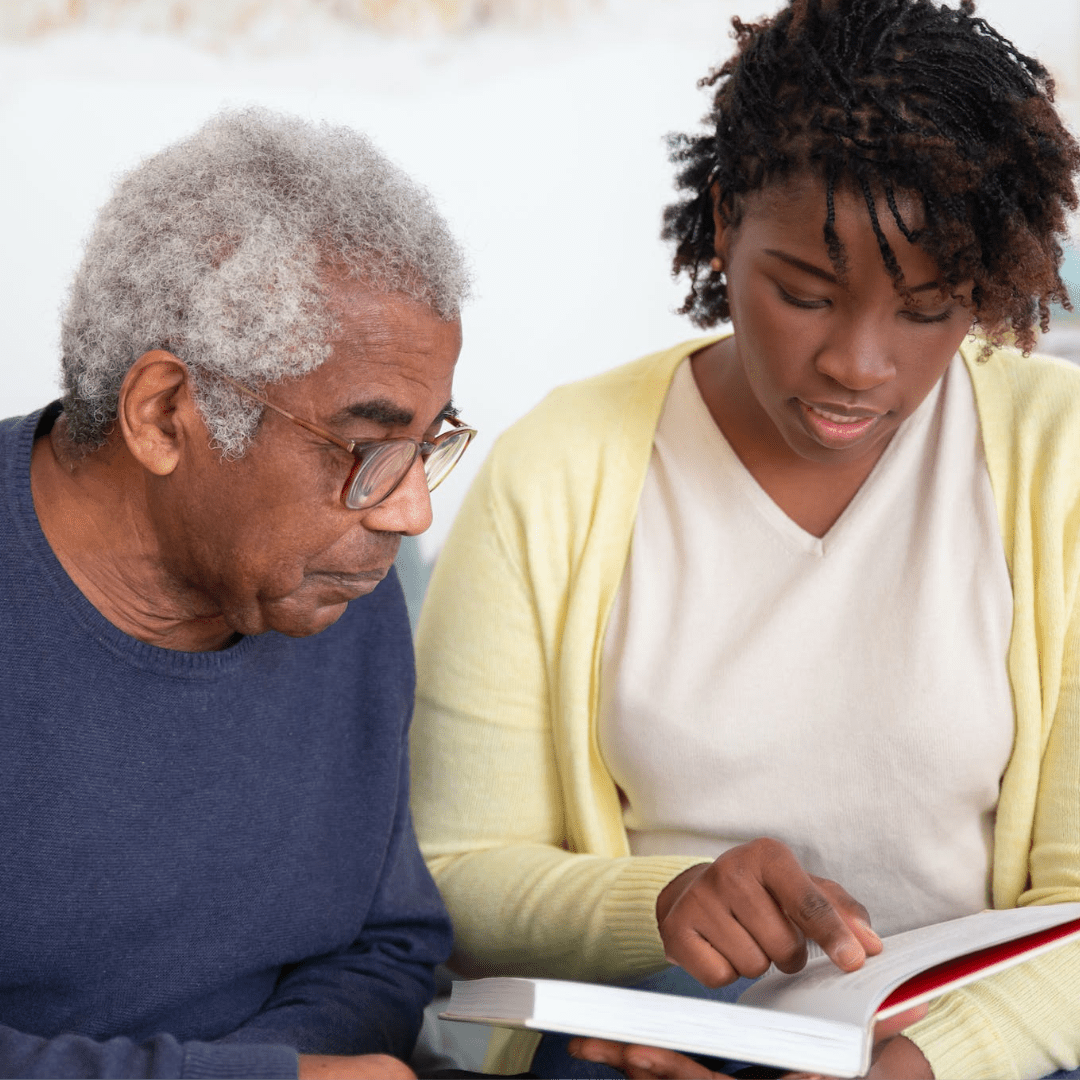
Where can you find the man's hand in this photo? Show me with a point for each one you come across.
(753, 906)
(360, 1067)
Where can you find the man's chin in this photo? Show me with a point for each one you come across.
(303, 616)
(311, 622)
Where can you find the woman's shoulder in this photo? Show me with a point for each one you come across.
(627, 397)
(1029, 414)
(1030, 383)
(585, 441)
(1023, 398)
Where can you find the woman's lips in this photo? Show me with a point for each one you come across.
(835, 429)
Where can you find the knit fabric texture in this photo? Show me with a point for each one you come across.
(208, 860)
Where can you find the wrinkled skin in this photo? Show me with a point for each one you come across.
(184, 550)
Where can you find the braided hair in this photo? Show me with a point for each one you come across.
(883, 97)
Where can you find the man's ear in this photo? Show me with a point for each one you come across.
(156, 410)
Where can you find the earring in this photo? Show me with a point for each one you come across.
(716, 264)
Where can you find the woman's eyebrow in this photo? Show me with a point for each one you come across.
(809, 268)
(817, 271)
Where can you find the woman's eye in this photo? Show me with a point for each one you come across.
(922, 317)
(798, 302)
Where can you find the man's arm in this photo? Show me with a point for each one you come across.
(31, 1056)
(368, 998)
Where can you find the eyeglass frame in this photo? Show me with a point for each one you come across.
(356, 447)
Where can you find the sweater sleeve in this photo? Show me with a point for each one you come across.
(30, 1056)
(370, 997)
(495, 819)
(1025, 1022)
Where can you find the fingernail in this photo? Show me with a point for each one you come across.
(869, 929)
(849, 953)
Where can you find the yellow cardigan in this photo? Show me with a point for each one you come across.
(516, 812)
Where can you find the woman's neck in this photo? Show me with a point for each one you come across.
(811, 493)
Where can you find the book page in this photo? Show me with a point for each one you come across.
(822, 989)
(692, 1025)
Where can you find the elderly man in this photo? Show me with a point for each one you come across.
(209, 868)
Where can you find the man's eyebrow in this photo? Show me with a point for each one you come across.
(384, 412)
(809, 268)
(380, 411)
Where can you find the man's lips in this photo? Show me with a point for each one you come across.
(837, 426)
(358, 583)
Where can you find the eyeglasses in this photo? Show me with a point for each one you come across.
(382, 464)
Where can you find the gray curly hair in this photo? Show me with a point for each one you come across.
(217, 248)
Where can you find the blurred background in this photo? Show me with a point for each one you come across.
(537, 124)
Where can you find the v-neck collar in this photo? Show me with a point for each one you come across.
(908, 434)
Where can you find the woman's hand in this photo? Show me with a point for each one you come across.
(640, 1062)
(755, 906)
(895, 1058)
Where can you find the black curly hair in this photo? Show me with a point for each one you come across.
(883, 97)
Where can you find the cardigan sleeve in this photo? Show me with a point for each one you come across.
(1025, 1022)
(488, 802)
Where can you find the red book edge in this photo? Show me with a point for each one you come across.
(973, 965)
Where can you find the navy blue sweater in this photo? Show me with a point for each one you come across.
(207, 859)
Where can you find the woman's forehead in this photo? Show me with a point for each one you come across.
(805, 190)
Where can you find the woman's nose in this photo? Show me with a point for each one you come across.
(858, 358)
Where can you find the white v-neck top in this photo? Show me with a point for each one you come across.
(847, 695)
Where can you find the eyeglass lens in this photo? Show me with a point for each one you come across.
(384, 465)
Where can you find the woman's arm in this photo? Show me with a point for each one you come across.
(1024, 1021)
(493, 812)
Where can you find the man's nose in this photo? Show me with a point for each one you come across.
(407, 509)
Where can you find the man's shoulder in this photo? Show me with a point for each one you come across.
(11, 426)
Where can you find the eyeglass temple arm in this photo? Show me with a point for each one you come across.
(345, 444)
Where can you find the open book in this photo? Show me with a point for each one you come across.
(819, 1020)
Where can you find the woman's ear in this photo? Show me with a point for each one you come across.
(155, 410)
(722, 227)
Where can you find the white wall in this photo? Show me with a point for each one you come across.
(544, 149)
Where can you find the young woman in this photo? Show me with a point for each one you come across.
(774, 635)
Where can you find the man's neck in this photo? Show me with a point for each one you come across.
(92, 510)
